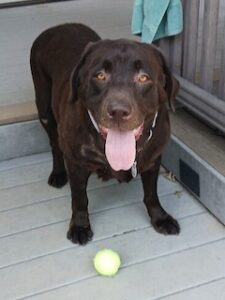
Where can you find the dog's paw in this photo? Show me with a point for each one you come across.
(57, 180)
(79, 235)
(166, 225)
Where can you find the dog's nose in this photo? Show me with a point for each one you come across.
(119, 110)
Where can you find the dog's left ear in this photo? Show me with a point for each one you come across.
(75, 78)
(171, 84)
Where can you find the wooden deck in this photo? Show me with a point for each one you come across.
(37, 261)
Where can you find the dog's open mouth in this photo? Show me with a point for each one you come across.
(120, 146)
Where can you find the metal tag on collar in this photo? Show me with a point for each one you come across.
(134, 169)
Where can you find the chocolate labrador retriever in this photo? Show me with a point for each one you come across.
(103, 104)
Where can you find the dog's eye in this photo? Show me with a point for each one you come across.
(101, 76)
(143, 78)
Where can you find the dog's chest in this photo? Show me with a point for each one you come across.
(96, 162)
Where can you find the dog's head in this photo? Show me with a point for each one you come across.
(123, 84)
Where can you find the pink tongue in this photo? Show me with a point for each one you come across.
(120, 149)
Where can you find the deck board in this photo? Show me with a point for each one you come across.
(208, 291)
(191, 266)
(28, 185)
(58, 209)
(36, 255)
(157, 277)
(39, 191)
(13, 251)
(15, 163)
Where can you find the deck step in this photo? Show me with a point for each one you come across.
(36, 256)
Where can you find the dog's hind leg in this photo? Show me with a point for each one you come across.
(42, 84)
(58, 176)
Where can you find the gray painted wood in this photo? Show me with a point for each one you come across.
(25, 174)
(202, 55)
(208, 291)
(24, 161)
(176, 54)
(154, 245)
(200, 138)
(210, 23)
(172, 50)
(14, 252)
(36, 256)
(21, 139)
(40, 191)
(58, 209)
(222, 71)
(191, 19)
(142, 277)
(164, 45)
(36, 173)
(205, 105)
(211, 181)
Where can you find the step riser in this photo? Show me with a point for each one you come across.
(21, 139)
(211, 183)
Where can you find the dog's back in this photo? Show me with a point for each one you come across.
(60, 47)
(54, 54)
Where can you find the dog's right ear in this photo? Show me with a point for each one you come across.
(170, 83)
(74, 77)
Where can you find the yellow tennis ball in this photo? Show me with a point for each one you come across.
(107, 262)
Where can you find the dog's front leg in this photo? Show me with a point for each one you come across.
(160, 219)
(79, 229)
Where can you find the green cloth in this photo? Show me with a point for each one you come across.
(155, 19)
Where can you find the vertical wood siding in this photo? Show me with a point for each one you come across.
(210, 22)
(190, 38)
(222, 73)
(198, 54)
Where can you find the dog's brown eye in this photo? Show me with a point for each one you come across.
(101, 76)
(142, 78)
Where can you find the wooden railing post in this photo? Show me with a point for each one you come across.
(222, 70)
(190, 41)
(208, 54)
(176, 54)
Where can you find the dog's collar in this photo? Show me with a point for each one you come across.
(93, 121)
(150, 130)
(134, 166)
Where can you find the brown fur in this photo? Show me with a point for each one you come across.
(63, 62)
